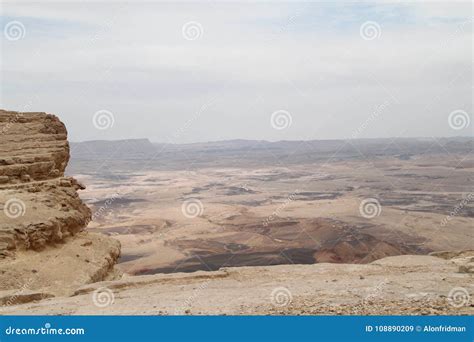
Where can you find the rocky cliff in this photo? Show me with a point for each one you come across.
(41, 213)
(40, 205)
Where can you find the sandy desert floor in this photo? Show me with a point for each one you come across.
(341, 211)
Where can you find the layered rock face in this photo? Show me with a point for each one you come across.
(41, 210)
(40, 205)
(33, 147)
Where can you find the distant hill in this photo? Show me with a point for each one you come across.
(112, 149)
(123, 154)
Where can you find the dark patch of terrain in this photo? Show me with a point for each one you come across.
(116, 202)
(125, 230)
(323, 240)
(216, 261)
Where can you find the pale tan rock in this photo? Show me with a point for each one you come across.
(34, 152)
(410, 285)
(15, 297)
(42, 214)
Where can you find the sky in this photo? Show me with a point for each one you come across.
(182, 72)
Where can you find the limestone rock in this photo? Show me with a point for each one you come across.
(41, 212)
(15, 297)
(401, 285)
(34, 152)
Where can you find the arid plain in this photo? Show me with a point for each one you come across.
(253, 211)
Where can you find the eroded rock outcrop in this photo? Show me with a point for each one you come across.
(41, 211)
(40, 205)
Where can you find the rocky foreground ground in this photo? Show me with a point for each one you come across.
(413, 285)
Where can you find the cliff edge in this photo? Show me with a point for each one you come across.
(42, 217)
(399, 285)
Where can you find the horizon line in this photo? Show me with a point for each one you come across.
(276, 141)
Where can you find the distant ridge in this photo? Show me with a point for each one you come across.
(238, 153)
(117, 149)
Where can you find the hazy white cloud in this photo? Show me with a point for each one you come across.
(250, 59)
